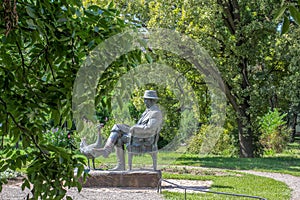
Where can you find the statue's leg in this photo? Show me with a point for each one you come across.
(108, 147)
(89, 163)
(120, 159)
(130, 155)
(120, 151)
(93, 162)
(154, 159)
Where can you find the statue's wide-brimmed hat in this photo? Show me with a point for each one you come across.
(150, 94)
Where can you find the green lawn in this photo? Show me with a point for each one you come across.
(232, 182)
(282, 163)
(287, 162)
(288, 165)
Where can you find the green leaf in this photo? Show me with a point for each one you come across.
(9, 153)
(31, 24)
(25, 184)
(280, 12)
(3, 168)
(285, 25)
(80, 170)
(30, 12)
(148, 58)
(56, 117)
(85, 175)
(19, 163)
(69, 123)
(26, 141)
(295, 14)
(79, 186)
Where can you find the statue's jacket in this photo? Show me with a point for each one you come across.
(144, 135)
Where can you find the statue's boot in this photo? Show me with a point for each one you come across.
(120, 160)
(108, 147)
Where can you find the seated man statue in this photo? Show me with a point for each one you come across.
(147, 126)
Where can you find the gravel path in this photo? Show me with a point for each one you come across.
(14, 192)
(292, 182)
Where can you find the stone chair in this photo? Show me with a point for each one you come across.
(137, 146)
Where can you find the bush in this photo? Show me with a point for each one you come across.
(195, 143)
(207, 140)
(226, 145)
(60, 138)
(275, 132)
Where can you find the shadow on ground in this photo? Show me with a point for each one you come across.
(279, 164)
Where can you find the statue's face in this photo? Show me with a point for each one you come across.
(149, 102)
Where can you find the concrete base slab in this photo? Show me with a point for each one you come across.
(136, 179)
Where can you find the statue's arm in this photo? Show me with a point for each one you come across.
(149, 129)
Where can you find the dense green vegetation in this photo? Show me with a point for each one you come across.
(245, 42)
(44, 44)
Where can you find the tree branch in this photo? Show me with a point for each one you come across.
(23, 60)
(22, 128)
(49, 63)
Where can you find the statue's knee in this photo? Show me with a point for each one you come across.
(114, 136)
(115, 128)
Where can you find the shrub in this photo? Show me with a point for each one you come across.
(207, 140)
(275, 132)
(195, 143)
(226, 145)
(60, 138)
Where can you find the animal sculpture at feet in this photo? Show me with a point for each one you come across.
(88, 150)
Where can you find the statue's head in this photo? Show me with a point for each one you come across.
(150, 98)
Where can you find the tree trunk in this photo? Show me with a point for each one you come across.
(243, 120)
(245, 140)
(293, 125)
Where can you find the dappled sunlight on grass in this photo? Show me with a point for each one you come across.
(284, 164)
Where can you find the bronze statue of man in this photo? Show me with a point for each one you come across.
(146, 127)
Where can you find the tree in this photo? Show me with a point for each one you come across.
(239, 35)
(288, 86)
(43, 45)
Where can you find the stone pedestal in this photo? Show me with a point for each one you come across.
(136, 179)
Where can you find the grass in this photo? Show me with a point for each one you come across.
(288, 165)
(232, 182)
(288, 162)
